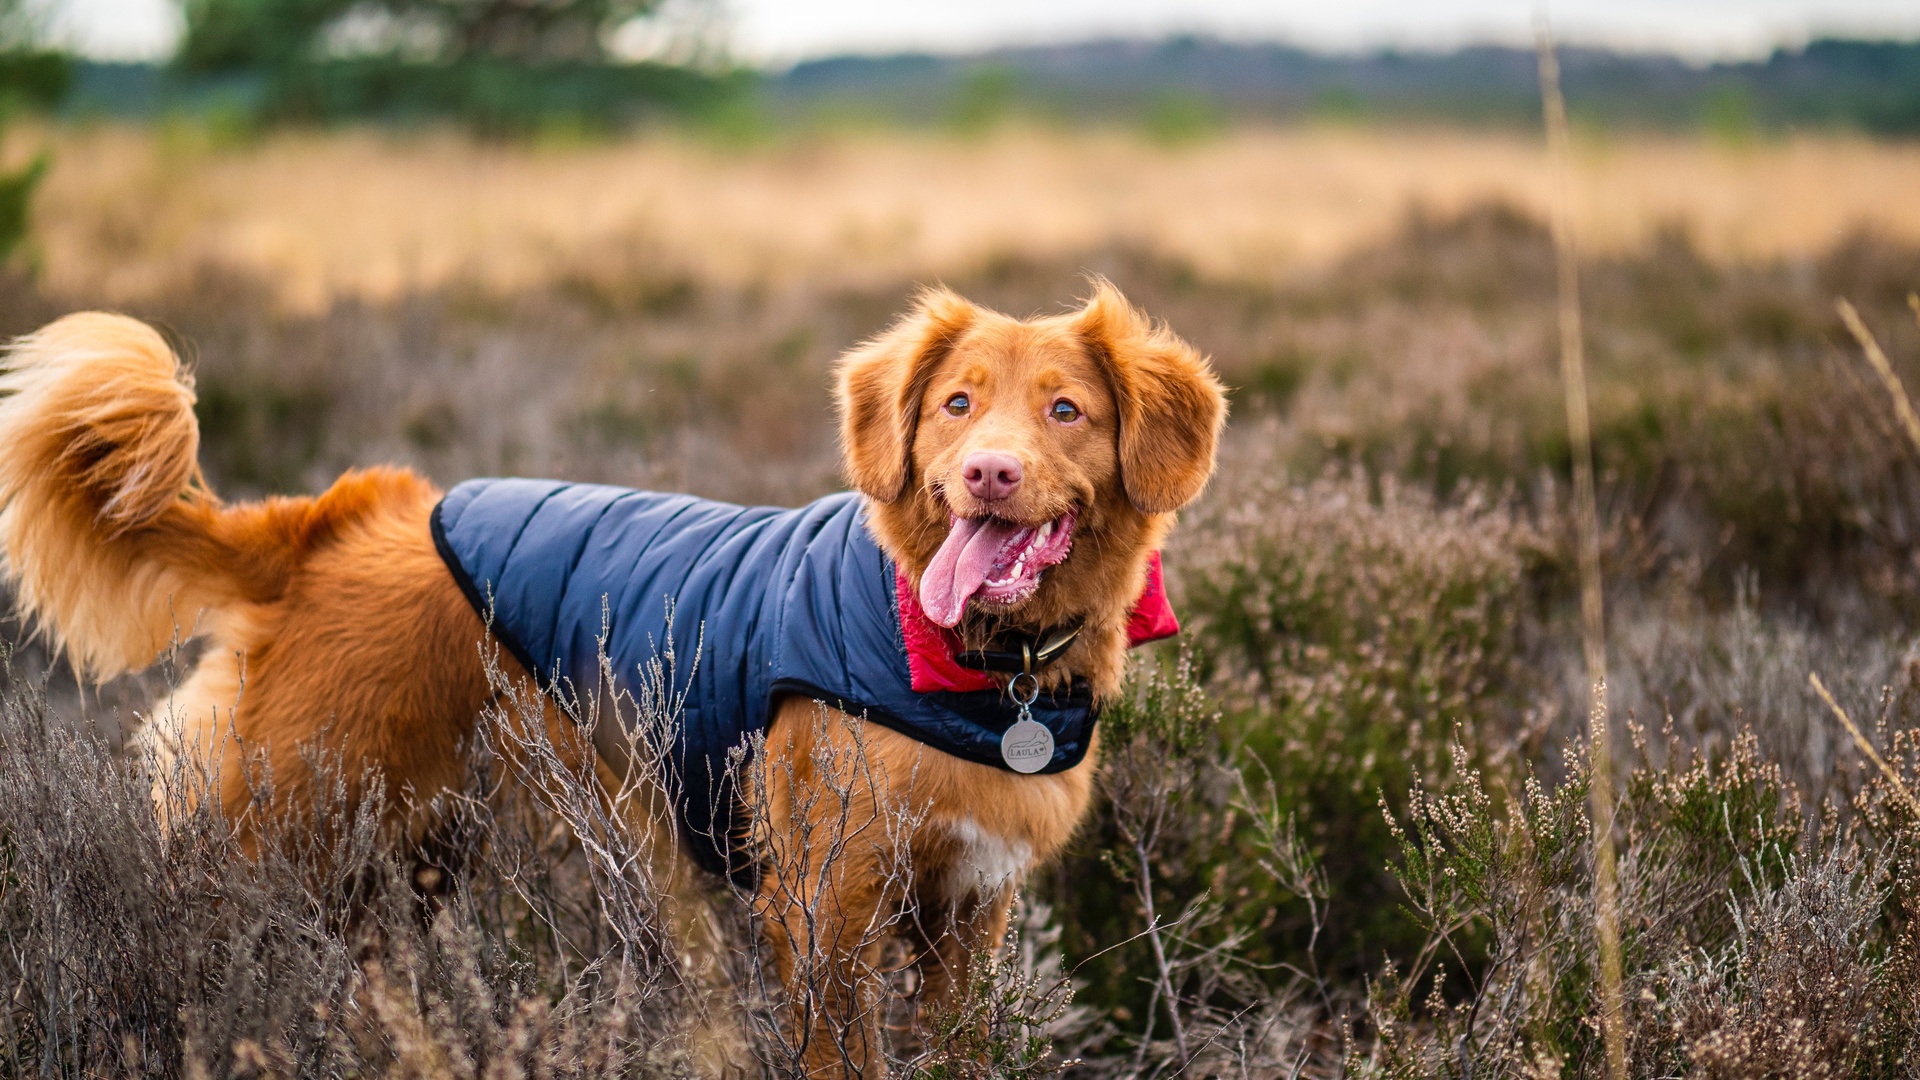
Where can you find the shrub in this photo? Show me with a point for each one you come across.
(1242, 902)
(1755, 944)
(1349, 635)
(1238, 865)
(537, 930)
(143, 943)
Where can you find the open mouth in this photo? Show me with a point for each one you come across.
(993, 561)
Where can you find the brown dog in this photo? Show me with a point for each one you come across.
(959, 425)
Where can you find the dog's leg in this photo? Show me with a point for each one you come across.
(834, 838)
(188, 741)
(818, 937)
(637, 794)
(969, 927)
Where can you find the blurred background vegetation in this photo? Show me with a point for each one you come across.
(503, 67)
(483, 237)
(31, 78)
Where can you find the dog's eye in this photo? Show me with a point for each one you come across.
(957, 405)
(1065, 411)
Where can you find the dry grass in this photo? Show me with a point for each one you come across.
(132, 215)
(1379, 590)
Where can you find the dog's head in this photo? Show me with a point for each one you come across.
(1020, 471)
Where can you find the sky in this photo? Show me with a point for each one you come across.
(780, 31)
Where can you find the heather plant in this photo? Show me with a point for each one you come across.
(541, 929)
(1423, 358)
(1683, 663)
(1350, 631)
(1342, 830)
(145, 935)
(1197, 927)
(1754, 943)
(1234, 887)
(1172, 897)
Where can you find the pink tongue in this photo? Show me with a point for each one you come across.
(961, 566)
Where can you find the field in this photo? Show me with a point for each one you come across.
(131, 217)
(1354, 796)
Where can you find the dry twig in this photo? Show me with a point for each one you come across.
(1573, 374)
(1866, 747)
(1902, 404)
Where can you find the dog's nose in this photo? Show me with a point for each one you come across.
(991, 475)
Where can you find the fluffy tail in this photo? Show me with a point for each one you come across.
(106, 528)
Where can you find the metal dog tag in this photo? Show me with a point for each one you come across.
(1027, 746)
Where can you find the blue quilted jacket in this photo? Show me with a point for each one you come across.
(764, 601)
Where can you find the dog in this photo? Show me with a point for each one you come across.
(956, 619)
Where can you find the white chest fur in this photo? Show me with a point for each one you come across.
(984, 862)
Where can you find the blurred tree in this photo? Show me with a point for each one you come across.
(226, 35)
(527, 30)
(20, 25)
(30, 77)
(272, 34)
(502, 66)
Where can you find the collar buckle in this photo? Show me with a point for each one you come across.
(1021, 654)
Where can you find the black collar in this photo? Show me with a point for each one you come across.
(1015, 653)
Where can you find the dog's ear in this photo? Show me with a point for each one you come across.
(880, 386)
(1171, 405)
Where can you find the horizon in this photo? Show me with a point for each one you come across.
(774, 35)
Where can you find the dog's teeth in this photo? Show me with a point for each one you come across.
(1046, 531)
(1013, 575)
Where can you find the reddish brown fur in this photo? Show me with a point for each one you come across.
(1146, 447)
(338, 617)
